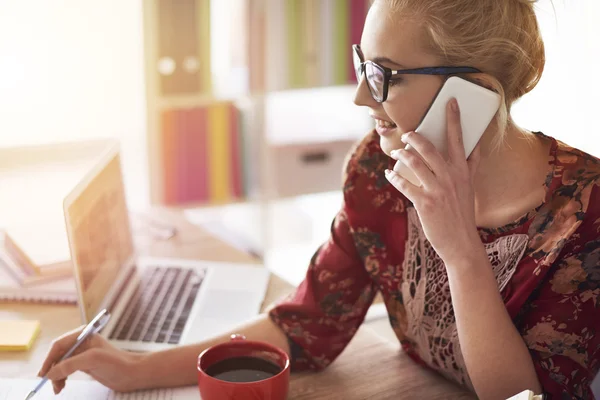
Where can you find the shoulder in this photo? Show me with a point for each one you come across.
(578, 183)
(572, 204)
(578, 172)
(364, 184)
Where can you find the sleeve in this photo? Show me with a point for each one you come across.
(328, 307)
(562, 325)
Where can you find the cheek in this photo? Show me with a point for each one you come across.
(404, 112)
(407, 105)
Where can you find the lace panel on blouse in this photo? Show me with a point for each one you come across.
(426, 294)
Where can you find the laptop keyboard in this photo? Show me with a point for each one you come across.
(160, 306)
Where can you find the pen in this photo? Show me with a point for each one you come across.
(94, 326)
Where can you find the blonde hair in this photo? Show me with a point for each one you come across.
(499, 37)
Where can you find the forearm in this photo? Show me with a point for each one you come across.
(497, 359)
(177, 367)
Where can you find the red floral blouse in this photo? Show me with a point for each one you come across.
(547, 264)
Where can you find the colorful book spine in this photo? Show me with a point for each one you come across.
(341, 42)
(182, 155)
(294, 12)
(327, 10)
(235, 153)
(203, 155)
(311, 28)
(198, 156)
(169, 152)
(218, 158)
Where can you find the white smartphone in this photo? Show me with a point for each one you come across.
(478, 106)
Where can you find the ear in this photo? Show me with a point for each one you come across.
(485, 80)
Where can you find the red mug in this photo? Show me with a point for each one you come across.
(215, 379)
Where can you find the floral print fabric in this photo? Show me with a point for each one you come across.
(550, 281)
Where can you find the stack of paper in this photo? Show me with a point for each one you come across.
(17, 389)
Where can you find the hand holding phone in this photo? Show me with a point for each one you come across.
(478, 106)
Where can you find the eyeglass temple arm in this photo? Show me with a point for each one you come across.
(436, 71)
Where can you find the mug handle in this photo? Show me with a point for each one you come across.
(237, 337)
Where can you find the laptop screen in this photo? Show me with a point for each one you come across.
(99, 232)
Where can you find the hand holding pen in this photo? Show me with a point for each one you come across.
(93, 327)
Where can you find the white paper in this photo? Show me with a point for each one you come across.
(18, 389)
(596, 386)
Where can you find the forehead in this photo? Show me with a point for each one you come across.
(388, 33)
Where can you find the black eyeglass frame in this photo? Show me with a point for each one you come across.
(390, 74)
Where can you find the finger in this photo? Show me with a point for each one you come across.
(426, 150)
(456, 148)
(58, 386)
(416, 165)
(59, 347)
(402, 185)
(66, 367)
(474, 159)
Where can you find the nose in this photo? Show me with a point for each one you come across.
(362, 95)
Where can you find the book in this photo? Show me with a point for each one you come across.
(38, 250)
(22, 276)
(169, 156)
(55, 291)
(218, 125)
(198, 157)
(18, 335)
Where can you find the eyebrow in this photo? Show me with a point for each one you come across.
(385, 60)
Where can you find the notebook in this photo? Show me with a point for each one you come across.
(57, 291)
(17, 389)
(18, 335)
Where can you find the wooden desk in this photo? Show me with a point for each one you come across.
(374, 368)
(370, 367)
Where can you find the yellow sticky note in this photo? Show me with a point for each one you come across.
(18, 335)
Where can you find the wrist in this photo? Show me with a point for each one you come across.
(473, 258)
(143, 373)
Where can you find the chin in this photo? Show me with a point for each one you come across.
(388, 144)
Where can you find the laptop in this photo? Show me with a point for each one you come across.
(156, 303)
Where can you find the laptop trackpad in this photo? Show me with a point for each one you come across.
(228, 305)
(221, 311)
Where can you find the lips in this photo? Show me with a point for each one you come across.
(384, 127)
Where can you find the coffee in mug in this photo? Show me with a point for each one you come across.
(243, 370)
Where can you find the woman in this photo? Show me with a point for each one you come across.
(489, 270)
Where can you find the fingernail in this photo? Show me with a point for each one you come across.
(404, 137)
(454, 105)
(387, 172)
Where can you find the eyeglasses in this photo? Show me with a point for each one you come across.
(379, 77)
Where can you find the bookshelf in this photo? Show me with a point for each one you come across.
(289, 128)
